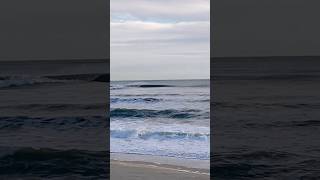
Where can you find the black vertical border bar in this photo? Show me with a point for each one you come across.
(108, 87)
(211, 89)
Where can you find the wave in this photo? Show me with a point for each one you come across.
(83, 77)
(263, 164)
(60, 123)
(48, 163)
(135, 100)
(158, 135)
(150, 86)
(56, 107)
(153, 95)
(163, 85)
(256, 155)
(147, 113)
(116, 87)
(266, 105)
(288, 124)
(19, 81)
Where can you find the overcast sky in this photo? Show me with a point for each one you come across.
(53, 29)
(168, 38)
(160, 39)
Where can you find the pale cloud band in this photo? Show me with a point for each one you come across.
(160, 39)
(162, 10)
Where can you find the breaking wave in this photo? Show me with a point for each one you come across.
(18, 81)
(159, 135)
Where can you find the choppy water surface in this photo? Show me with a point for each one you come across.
(266, 119)
(161, 118)
(53, 122)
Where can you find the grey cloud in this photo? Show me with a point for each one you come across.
(160, 39)
(172, 10)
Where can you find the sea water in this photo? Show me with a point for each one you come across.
(53, 122)
(168, 118)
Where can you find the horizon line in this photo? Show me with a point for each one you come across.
(57, 59)
(264, 56)
(160, 79)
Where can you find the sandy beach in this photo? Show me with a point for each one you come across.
(123, 170)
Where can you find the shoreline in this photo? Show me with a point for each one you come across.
(137, 170)
(134, 167)
(203, 165)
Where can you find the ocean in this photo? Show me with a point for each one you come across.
(266, 119)
(162, 118)
(53, 120)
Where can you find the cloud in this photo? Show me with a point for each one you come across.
(137, 32)
(160, 39)
(161, 10)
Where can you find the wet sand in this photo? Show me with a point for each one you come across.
(121, 170)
